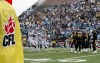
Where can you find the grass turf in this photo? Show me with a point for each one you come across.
(63, 54)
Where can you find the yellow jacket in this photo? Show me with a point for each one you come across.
(11, 50)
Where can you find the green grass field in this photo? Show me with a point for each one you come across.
(63, 56)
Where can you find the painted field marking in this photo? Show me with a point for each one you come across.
(37, 60)
(45, 53)
(72, 59)
(75, 59)
(59, 60)
(34, 62)
(85, 56)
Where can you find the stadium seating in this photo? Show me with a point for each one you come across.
(58, 19)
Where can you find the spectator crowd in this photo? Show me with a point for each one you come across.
(59, 21)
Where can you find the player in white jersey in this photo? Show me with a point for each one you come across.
(44, 43)
(38, 39)
(32, 42)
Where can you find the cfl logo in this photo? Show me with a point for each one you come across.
(9, 36)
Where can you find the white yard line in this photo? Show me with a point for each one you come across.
(85, 56)
(71, 57)
(45, 53)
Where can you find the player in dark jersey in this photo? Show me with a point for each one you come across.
(83, 41)
(73, 42)
(87, 42)
(94, 42)
(79, 42)
(75, 39)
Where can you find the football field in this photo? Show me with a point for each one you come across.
(60, 55)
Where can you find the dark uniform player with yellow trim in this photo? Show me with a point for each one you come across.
(78, 43)
(94, 41)
(87, 42)
(73, 42)
(83, 41)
